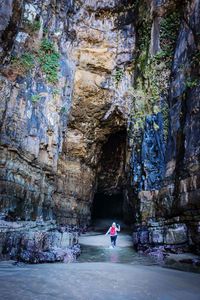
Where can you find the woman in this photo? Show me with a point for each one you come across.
(113, 233)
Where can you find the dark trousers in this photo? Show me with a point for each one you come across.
(113, 240)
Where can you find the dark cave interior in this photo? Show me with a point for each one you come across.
(107, 206)
(108, 200)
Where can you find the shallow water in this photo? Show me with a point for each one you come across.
(114, 255)
(95, 247)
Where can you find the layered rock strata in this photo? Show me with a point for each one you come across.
(102, 97)
(52, 167)
(38, 242)
(177, 199)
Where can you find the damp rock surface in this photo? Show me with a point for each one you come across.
(38, 242)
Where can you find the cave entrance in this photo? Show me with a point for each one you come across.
(108, 200)
(107, 206)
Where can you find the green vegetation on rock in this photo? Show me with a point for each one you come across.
(191, 83)
(35, 98)
(150, 90)
(169, 27)
(49, 60)
(165, 114)
(23, 63)
(118, 75)
(63, 109)
(47, 57)
(32, 27)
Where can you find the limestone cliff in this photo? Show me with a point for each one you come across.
(170, 192)
(48, 167)
(101, 97)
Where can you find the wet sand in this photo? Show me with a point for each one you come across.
(101, 273)
(96, 281)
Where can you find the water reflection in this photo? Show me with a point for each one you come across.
(114, 258)
(115, 255)
(125, 255)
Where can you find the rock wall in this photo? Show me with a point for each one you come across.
(175, 200)
(81, 50)
(74, 75)
(103, 51)
(182, 179)
(38, 242)
(36, 85)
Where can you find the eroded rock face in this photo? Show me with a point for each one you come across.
(178, 194)
(75, 74)
(33, 109)
(100, 108)
(49, 169)
(38, 242)
(182, 171)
